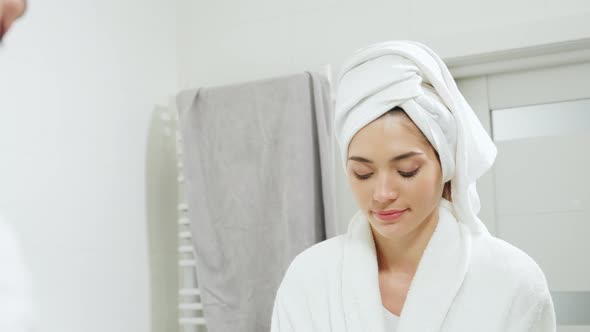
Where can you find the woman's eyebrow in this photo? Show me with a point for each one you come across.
(397, 158)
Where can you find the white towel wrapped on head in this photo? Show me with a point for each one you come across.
(408, 74)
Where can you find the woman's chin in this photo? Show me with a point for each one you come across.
(388, 230)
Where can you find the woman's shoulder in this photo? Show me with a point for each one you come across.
(499, 258)
(513, 275)
(321, 259)
(321, 254)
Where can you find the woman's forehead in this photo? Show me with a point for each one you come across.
(392, 132)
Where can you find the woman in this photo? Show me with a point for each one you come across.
(416, 257)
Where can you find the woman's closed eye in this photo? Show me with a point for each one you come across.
(362, 177)
(409, 174)
(403, 174)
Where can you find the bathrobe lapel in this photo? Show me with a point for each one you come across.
(360, 279)
(437, 280)
(439, 276)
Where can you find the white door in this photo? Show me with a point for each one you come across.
(537, 196)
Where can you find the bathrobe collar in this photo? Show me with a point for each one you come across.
(437, 280)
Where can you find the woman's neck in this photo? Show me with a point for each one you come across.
(404, 253)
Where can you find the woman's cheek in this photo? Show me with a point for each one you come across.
(425, 185)
(361, 191)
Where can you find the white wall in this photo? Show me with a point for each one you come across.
(78, 83)
(229, 40)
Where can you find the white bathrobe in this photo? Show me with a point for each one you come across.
(464, 282)
(15, 288)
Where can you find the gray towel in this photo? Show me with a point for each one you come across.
(259, 175)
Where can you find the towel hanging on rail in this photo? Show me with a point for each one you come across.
(259, 169)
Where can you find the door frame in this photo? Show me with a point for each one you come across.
(472, 74)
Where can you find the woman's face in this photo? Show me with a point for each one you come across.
(391, 166)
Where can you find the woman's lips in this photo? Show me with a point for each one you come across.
(390, 215)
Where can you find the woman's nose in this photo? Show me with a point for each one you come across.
(385, 190)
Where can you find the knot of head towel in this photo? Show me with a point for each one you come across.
(407, 74)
